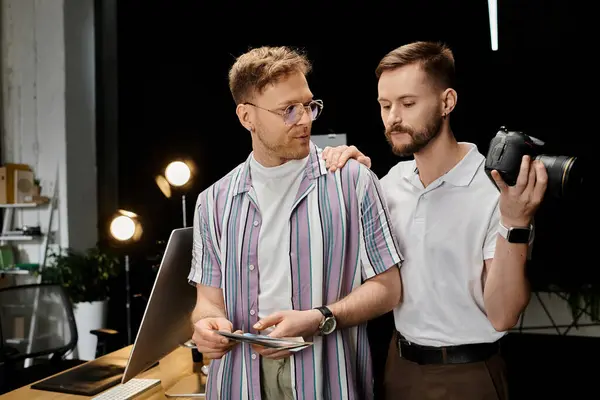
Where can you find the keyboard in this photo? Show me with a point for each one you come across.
(128, 390)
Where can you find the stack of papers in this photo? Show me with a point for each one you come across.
(291, 344)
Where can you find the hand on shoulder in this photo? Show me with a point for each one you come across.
(336, 157)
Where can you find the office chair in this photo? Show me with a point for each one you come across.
(37, 321)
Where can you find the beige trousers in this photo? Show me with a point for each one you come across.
(276, 379)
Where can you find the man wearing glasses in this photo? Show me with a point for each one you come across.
(282, 247)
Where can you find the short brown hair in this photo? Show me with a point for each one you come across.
(259, 67)
(436, 59)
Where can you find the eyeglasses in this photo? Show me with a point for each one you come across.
(293, 113)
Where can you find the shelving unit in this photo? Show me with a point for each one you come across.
(9, 235)
(8, 218)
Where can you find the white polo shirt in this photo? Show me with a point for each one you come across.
(446, 231)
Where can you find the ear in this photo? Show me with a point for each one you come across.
(449, 98)
(244, 116)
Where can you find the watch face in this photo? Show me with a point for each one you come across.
(328, 325)
(518, 235)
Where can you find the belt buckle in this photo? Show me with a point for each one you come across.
(402, 340)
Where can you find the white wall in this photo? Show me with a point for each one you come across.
(48, 111)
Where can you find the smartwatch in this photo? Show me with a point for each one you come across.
(328, 324)
(516, 234)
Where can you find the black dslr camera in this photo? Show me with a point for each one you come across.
(507, 149)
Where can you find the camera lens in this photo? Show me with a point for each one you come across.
(564, 174)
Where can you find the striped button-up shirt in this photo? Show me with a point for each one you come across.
(340, 236)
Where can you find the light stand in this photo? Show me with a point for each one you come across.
(128, 299)
(183, 208)
(126, 228)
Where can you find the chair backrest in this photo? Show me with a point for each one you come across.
(36, 320)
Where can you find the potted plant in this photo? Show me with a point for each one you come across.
(583, 300)
(86, 277)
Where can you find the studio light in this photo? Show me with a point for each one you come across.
(125, 227)
(178, 173)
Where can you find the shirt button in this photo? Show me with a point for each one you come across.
(251, 267)
(252, 312)
(255, 223)
(254, 356)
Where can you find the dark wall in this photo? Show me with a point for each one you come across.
(173, 99)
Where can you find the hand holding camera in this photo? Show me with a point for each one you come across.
(522, 174)
(518, 203)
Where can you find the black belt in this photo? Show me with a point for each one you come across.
(466, 353)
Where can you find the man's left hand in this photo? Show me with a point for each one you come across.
(288, 324)
(519, 203)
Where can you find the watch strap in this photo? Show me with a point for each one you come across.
(325, 311)
(503, 231)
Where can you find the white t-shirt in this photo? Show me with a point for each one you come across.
(445, 232)
(276, 189)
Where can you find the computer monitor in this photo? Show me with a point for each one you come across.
(166, 321)
(165, 325)
(331, 139)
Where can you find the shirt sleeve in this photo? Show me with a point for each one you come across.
(489, 246)
(206, 265)
(379, 249)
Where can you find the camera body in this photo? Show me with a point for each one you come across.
(506, 152)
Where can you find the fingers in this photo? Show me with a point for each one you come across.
(335, 157)
(499, 181)
(268, 321)
(216, 354)
(541, 181)
(365, 161)
(531, 178)
(209, 336)
(223, 325)
(279, 331)
(206, 337)
(210, 340)
(523, 174)
(348, 153)
(331, 156)
(211, 343)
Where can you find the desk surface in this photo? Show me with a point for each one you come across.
(176, 372)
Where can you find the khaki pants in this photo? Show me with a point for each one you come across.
(276, 379)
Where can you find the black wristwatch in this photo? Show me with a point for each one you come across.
(329, 323)
(516, 234)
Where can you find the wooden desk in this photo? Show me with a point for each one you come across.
(176, 372)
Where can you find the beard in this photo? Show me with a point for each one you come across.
(420, 137)
(285, 147)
